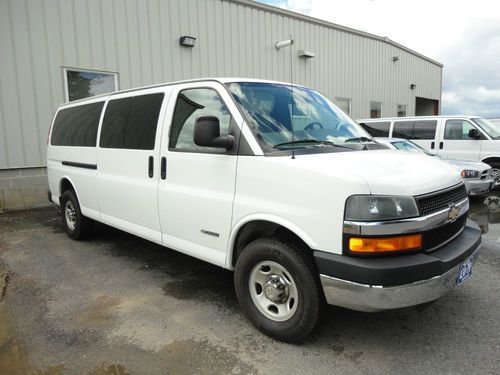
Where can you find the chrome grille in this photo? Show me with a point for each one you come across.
(430, 203)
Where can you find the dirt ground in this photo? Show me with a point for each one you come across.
(116, 304)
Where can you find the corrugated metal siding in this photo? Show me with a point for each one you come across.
(139, 40)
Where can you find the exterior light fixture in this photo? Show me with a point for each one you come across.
(395, 58)
(413, 86)
(187, 41)
(284, 43)
(306, 54)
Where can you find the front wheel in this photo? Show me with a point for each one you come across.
(496, 173)
(277, 289)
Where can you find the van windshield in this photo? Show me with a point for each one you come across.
(492, 130)
(273, 110)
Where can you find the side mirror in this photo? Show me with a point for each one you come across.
(207, 133)
(474, 134)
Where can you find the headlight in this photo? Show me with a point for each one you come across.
(378, 208)
(469, 173)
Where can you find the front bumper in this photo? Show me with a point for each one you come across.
(477, 187)
(377, 284)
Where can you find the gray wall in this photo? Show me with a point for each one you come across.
(138, 39)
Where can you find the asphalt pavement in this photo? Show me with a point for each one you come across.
(116, 304)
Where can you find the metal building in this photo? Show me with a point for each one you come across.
(52, 51)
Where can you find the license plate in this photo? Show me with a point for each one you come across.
(465, 271)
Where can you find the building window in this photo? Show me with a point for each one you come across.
(375, 109)
(344, 104)
(402, 110)
(79, 84)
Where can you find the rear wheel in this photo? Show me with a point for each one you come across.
(75, 224)
(277, 289)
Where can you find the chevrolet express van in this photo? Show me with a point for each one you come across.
(455, 137)
(269, 180)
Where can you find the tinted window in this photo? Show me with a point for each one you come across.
(77, 126)
(190, 105)
(377, 129)
(113, 124)
(457, 129)
(142, 120)
(131, 122)
(424, 129)
(403, 129)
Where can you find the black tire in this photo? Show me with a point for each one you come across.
(495, 165)
(82, 224)
(301, 269)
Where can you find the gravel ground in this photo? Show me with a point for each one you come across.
(116, 304)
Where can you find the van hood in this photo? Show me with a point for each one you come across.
(388, 172)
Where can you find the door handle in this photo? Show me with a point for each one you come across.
(163, 172)
(150, 167)
(432, 145)
(440, 145)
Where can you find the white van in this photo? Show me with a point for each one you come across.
(456, 137)
(213, 169)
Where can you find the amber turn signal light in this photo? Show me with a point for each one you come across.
(379, 245)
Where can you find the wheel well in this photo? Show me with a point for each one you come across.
(492, 160)
(66, 185)
(261, 228)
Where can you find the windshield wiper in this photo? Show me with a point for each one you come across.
(359, 139)
(309, 140)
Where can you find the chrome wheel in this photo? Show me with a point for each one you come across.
(273, 291)
(70, 215)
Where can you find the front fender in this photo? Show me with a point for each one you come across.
(297, 230)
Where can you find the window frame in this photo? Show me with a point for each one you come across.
(349, 100)
(66, 69)
(233, 128)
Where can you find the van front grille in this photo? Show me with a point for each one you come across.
(430, 203)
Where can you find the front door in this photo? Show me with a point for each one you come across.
(455, 141)
(128, 162)
(197, 186)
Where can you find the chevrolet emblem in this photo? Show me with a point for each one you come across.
(453, 213)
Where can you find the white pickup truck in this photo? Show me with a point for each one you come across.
(269, 180)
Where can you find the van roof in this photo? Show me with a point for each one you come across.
(222, 80)
(415, 118)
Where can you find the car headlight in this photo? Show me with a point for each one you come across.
(378, 208)
(469, 173)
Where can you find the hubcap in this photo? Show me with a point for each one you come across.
(70, 215)
(273, 291)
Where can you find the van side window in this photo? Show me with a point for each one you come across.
(77, 126)
(131, 123)
(457, 129)
(377, 129)
(420, 129)
(191, 104)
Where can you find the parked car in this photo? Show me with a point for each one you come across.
(457, 137)
(478, 177)
(495, 121)
(269, 180)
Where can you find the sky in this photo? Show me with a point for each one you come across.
(462, 35)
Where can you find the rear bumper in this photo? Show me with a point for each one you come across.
(476, 187)
(379, 284)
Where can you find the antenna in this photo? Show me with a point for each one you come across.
(279, 45)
